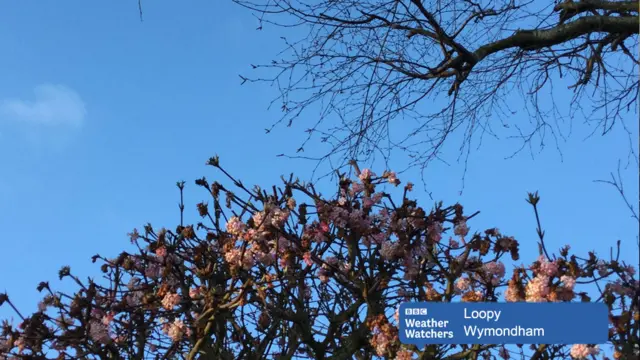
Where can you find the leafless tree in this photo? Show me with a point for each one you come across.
(415, 75)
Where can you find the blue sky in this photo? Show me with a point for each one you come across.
(102, 114)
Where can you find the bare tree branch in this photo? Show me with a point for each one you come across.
(414, 76)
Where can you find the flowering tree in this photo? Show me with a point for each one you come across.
(287, 273)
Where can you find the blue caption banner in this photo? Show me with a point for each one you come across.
(423, 323)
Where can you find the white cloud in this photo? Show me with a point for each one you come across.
(52, 105)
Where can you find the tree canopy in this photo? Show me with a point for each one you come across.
(287, 273)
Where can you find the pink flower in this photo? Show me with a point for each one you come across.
(356, 188)
(307, 258)
(367, 202)
(170, 301)
(511, 295)
(279, 217)
(463, 284)
(404, 355)
(366, 174)
(108, 318)
(194, 293)
(153, 271)
(568, 281)
(409, 186)
(453, 243)
(630, 270)
(291, 203)
(20, 344)
(602, 268)
(235, 226)
(548, 268)
(177, 330)
(582, 351)
(537, 289)
(495, 271)
(388, 250)
(461, 229)
(393, 179)
(99, 332)
(435, 232)
(161, 252)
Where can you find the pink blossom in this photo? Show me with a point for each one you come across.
(435, 232)
(463, 284)
(537, 289)
(461, 229)
(153, 271)
(388, 250)
(266, 258)
(134, 299)
(291, 203)
(177, 330)
(582, 351)
(108, 318)
(393, 178)
(307, 258)
(495, 268)
(378, 238)
(20, 344)
(630, 270)
(453, 243)
(548, 268)
(381, 342)
(194, 293)
(404, 355)
(568, 281)
(279, 217)
(170, 301)
(409, 186)
(512, 295)
(367, 202)
(495, 271)
(99, 332)
(258, 219)
(377, 197)
(366, 174)
(161, 252)
(602, 268)
(235, 226)
(356, 188)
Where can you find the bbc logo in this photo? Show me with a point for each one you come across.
(413, 311)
